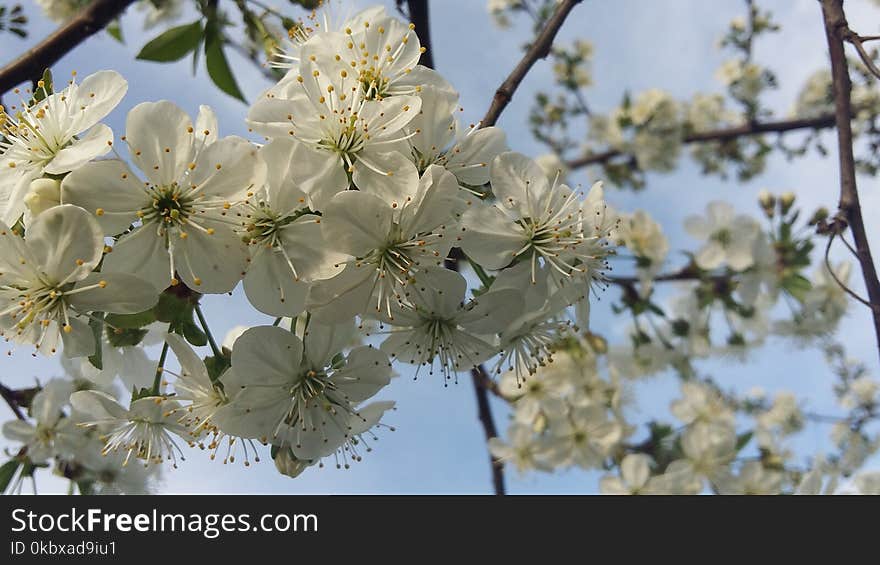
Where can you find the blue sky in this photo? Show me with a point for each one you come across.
(438, 446)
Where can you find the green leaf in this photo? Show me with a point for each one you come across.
(173, 44)
(86, 487)
(125, 338)
(41, 93)
(137, 394)
(218, 66)
(130, 321)
(797, 286)
(7, 471)
(742, 440)
(194, 334)
(97, 325)
(172, 309)
(115, 31)
(216, 366)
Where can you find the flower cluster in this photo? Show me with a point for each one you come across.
(340, 223)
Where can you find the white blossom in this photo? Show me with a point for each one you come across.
(56, 135)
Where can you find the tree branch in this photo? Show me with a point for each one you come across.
(539, 50)
(857, 40)
(419, 16)
(418, 13)
(484, 411)
(31, 64)
(726, 134)
(688, 273)
(836, 29)
(11, 399)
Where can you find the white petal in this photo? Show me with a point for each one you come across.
(698, 227)
(228, 168)
(160, 140)
(323, 341)
(635, 470)
(108, 186)
(97, 405)
(118, 293)
(470, 158)
(320, 174)
(192, 365)
(141, 253)
(16, 430)
(720, 214)
(490, 236)
(13, 189)
(366, 371)
(92, 145)
(435, 203)
(519, 184)
(79, 341)
(396, 180)
(210, 263)
(356, 222)
(439, 291)
(271, 287)
(283, 158)
(493, 312)
(386, 118)
(267, 355)
(344, 296)
(18, 266)
(303, 241)
(99, 93)
(66, 242)
(207, 130)
(710, 256)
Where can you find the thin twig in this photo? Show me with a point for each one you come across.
(483, 383)
(9, 396)
(857, 40)
(686, 274)
(538, 50)
(839, 282)
(484, 411)
(31, 64)
(836, 29)
(725, 134)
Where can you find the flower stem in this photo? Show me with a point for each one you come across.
(207, 330)
(157, 380)
(481, 273)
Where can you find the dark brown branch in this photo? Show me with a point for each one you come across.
(31, 64)
(12, 400)
(836, 29)
(484, 411)
(688, 273)
(857, 40)
(418, 15)
(726, 134)
(538, 50)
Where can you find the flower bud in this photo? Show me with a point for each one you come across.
(598, 343)
(820, 215)
(288, 464)
(767, 202)
(785, 202)
(42, 195)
